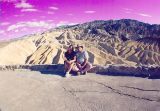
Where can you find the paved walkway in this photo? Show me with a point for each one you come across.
(33, 91)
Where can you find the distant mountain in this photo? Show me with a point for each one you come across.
(124, 28)
(108, 42)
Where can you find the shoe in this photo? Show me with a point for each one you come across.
(83, 73)
(67, 75)
(78, 73)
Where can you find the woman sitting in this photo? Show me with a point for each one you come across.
(69, 60)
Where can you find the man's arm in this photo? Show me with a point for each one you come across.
(84, 64)
(85, 59)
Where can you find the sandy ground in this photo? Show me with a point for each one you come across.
(33, 91)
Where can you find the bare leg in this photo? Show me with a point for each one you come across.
(87, 68)
(70, 66)
(79, 66)
(75, 68)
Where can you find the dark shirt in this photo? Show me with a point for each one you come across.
(70, 56)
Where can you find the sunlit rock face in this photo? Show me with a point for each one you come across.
(108, 42)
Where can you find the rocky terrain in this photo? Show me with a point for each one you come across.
(123, 41)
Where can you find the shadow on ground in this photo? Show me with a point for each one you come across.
(59, 73)
(49, 69)
(62, 74)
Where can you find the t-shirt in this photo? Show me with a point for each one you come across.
(70, 56)
(81, 56)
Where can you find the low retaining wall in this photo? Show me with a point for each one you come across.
(121, 70)
(116, 70)
(48, 67)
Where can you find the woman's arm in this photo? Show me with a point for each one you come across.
(71, 61)
(65, 59)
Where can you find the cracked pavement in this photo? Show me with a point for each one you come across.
(33, 91)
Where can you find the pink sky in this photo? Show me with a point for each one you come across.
(21, 17)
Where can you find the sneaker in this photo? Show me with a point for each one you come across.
(78, 73)
(67, 75)
(83, 73)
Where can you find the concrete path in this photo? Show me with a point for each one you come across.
(33, 91)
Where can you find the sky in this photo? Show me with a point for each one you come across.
(24, 17)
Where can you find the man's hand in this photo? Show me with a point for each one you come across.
(82, 66)
(79, 66)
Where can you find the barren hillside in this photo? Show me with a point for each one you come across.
(108, 42)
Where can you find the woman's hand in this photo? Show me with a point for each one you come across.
(70, 62)
(67, 61)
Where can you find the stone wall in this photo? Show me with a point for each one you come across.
(115, 70)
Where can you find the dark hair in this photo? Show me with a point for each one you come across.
(81, 47)
(71, 46)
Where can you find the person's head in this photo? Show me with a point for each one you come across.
(70, 49)
(76, 48)
(80, 48)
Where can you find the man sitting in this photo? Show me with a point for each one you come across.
(82, 60)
